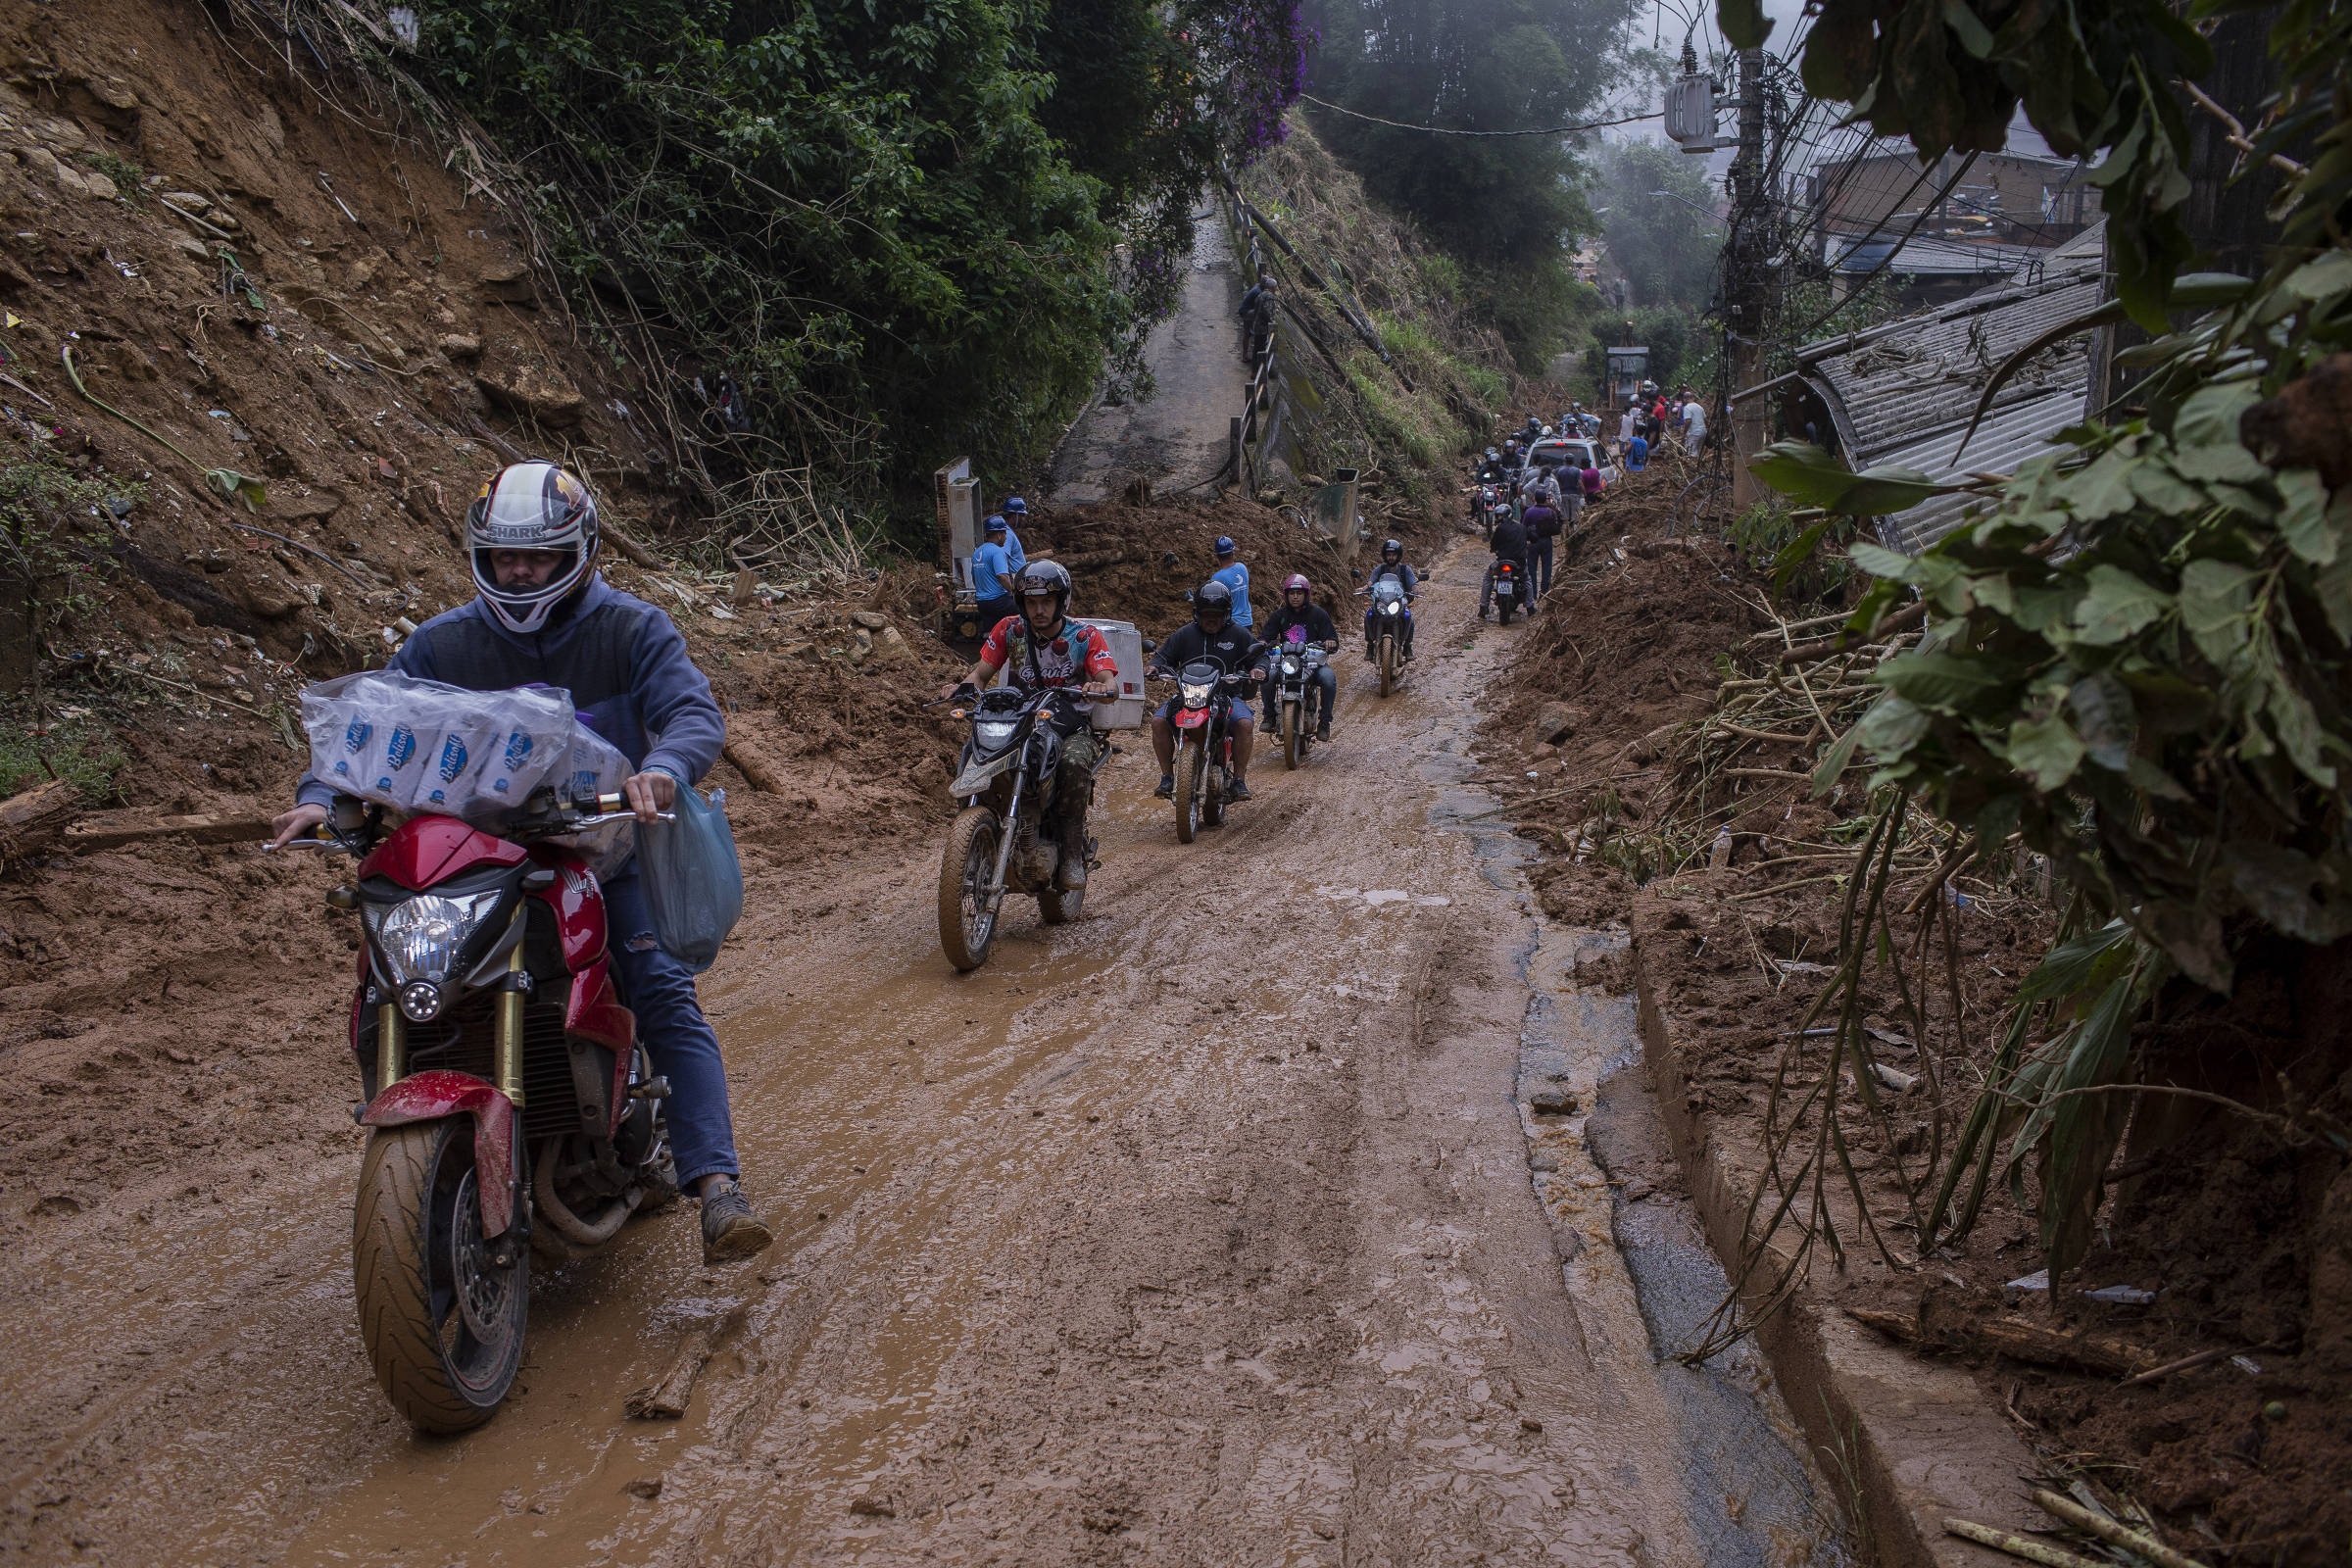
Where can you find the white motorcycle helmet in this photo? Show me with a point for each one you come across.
(531, 506)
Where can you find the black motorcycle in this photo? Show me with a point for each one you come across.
(1003, 841)
(1511, 590)
(1297, 696)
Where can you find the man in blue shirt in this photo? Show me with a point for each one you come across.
(1236, 576)
(992, 575)
(1015, 509)
(1637, 455)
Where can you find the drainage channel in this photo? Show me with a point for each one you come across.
(1628, 1242)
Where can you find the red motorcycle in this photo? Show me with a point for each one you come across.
(510, 1105)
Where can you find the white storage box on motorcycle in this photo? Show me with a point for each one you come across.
(1127, 647)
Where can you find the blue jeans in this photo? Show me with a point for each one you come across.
(659, 989)
(1538, 555)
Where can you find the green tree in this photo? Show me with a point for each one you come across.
(1659, 223)
(1511, 208)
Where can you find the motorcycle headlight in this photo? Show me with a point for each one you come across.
(1390, 608)
(1290, 666)
(421, 940)
(1195, 695)
(993, 733)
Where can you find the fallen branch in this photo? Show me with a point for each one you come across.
(665, 1399)
(2020, 1340)
(111, 830)
(2112, 1531)
(32, 818)
(754, 769)
(2017, 1545)
(2186, 1364)
(1903, 619)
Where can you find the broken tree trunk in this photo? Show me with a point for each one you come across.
(32, 821)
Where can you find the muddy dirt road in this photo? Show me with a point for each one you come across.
(1198, 1232)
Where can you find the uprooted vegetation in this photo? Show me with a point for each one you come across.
(1842, 973)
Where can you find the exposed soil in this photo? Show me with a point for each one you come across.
(2227, 1223)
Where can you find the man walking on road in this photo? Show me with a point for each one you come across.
(1236, 577)
(1258, 318)
(1543, 527)
(992, 574)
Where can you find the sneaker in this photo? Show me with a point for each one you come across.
(1371, 655)
(731, 1231)
(1167, 787)
(1237, 791)
(1323, 730)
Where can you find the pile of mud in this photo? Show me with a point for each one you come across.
(2221, 1242)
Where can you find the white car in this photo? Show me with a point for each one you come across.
(1574, 452)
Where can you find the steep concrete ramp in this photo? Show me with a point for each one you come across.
(1179, 435)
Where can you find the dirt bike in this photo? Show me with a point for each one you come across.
(1297, 694)
(509, 1106)
(1202, 718)
(1509, 590)
(1391, 620)
(1002, 839)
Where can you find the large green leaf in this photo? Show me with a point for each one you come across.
(2105, 718)
(2046, 751)
(1941, 680)
(2305, 525)
(2217, 606)
(2117, 605)
(1813, 477)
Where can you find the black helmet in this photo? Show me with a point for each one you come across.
(1390, 547)
(1213, 597)
(1044, 577)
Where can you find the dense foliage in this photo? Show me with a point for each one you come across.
(1512, 208)
(910, 228)
(2138, 657)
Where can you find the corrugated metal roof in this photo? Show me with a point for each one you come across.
(1908, 383)
(2008, 437)
(1926, 258)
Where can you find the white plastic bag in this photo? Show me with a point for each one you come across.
(422, 746)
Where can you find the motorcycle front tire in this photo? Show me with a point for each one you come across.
(1294, 735)
(1387, 664)
(967, 913)
(1191, 763)
(417, 1214)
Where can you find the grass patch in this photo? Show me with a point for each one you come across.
(82, 755)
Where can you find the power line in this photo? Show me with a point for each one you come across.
(1447, 131)
(1854, 292)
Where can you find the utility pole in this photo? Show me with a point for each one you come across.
(1746, 284)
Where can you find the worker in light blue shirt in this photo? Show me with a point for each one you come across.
(992, 575)
(1236, 576)
(1015, 511)
(1637, 455)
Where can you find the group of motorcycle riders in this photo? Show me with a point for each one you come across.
(543, 614)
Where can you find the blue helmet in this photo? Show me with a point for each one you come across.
(1015, 506)
(1224, 545)
(994, 525)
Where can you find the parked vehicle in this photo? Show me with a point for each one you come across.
(1004, 839)
(1394, 619)
(509, 1107)
(1201, 715)
(1571, 454)
(1294, 670)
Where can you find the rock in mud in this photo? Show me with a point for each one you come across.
(646, 1487)
(534, 394)
(459, 346)
(1552, 1103)
(1554, 722)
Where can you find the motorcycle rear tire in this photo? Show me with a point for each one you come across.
(1294, 736)
(414, 1207)
(1387, 664)
(1191, 759)
(965, 865)
(1502, 612)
